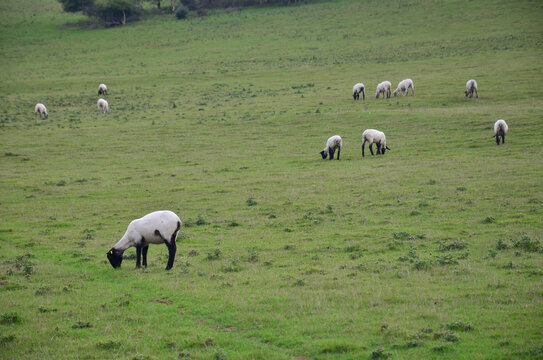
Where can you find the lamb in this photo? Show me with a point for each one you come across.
(332, 144)
(102, 89)
(383, 88)
(357, 88)
(500, 129)
(103, 105)
(41, 110)
(155, 228)
(471, 86)
(404, 86)
(374, 136)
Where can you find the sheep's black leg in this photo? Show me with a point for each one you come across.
(476, 94)
(363, 94)
(371, 150)
(497, 139)
(172, 248)
(138, 257)
(363, 144)
(144, 253)
(378, 148)
(503, 139)
(331, 152)
(338, 151)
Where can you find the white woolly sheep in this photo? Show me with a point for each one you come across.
(357, 88)
(383, 88)
(500, 129)
(471, 86)
(103, 105)
(102, 89)
(404, 86)
(41, 110)
(374, 137)
(332, 144)
(155, 228)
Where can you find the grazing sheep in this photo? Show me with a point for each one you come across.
(103, 105)
(41, 110)
(102, 89)
(471, 86)
(357, 88)
(383, 88)
(374, 136)
(332, 144)
(404, 86)
(155, 228)
(500, 129)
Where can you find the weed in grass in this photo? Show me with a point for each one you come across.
(6, 339)
(501, 245)
(455, 245)
(402, 235)
(299, 282)
(380, 353)
(448, 336)
(232, 267)
(200, 221)
(492, 253)
(252, 256)
(214, 255)
(233, 223)
(81, 325)
(446, 260)
(46, 310)
(42, 291)
(10, 318)
(251, 202)
(488, 220)
(337, 348)
(440, 348)
(192, 253)
(289, 247)
(527, 244)
(109, 345)
(414, 342)
(61, 183)
(461, 188)
(459, 326)
(219, 354)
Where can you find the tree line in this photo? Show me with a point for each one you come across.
(118, 12)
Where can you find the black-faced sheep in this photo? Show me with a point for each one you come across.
(374, 137)
(102, 89)
(155, 228)
(334, 143)
(103, 105)
(404, 86)
(383, 88)
(471, 86)
(41, 110)
(357, 89)
(500, 129)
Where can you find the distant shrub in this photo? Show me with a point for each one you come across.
(379, 354)
(455, 245)
(527, 244)
(489, 220)
(446, 260)
(181, 14)
(252, 256)
(251, 202)
(214, 255)
(81, 325)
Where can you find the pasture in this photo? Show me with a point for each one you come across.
(430, 251)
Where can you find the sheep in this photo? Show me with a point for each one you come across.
(500, 129)
(102, 89)
(332, 144)
(404, 86)
(41, 110)
(374, 136)
(155, 228)
(357, 88)
(471, 86)
(103, 105)
(383, 88)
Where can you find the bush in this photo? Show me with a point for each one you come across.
(182, 13)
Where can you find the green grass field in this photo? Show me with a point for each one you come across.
(431, 251)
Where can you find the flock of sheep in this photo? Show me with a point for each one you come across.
(163, 226)
(377, 137)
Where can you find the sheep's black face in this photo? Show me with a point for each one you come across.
(323, 154)
(115, 258)
(383, 150)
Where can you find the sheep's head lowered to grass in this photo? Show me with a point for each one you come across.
(115, 257)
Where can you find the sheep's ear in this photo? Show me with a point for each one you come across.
(110, 252)
(388, 148)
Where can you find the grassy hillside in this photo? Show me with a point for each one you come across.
(431, 251)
